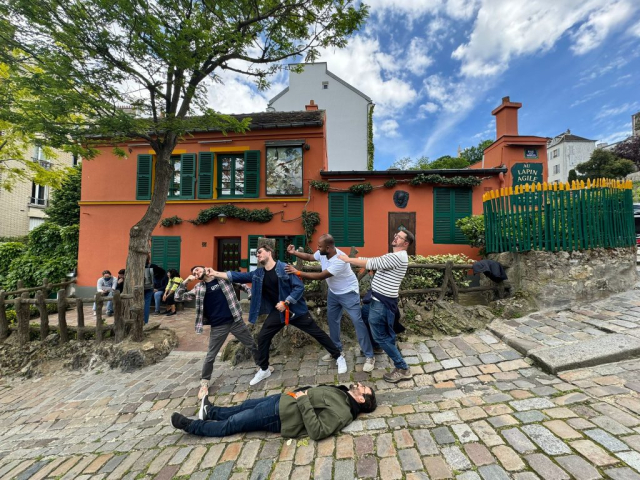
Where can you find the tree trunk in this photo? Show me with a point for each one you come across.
(140, 233)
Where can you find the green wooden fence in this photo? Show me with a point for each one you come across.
(557, 217)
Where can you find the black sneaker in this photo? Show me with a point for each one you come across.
(205, 404)
(180, 421)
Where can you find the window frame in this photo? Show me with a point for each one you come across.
(218, 159)
(267, 172)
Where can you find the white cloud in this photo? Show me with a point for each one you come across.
(428, 107)
(389, 128)
(417, 59)
(628, 108)
(617, 136)
(415, 9)
(364, 65)
(634, 31)
(600, 23)
(507, 29)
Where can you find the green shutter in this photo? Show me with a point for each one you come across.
(165, 252)
(338, 218)
(143, 180)
(462, 208)
(252, 173)
(187, 175)
(299, 241)
(252, 242)
(205, 175)
(442, 215)
(355, 221)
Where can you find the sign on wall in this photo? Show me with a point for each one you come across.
(530, 153)
(526, 173)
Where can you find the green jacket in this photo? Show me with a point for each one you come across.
(321, 412)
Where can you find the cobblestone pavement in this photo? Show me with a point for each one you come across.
(475, 409)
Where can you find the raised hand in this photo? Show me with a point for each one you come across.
(290, 269)
(291, 249)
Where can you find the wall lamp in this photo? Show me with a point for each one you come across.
(222, 218)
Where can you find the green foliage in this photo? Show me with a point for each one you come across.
(33, 269)
(370, 145)
(421, 178)
(310, 220)
(573, 175)
(45, 239)
(473, 228)
(404, 163)
(320, 185)
(392, 182)
(629, 149)
(12, 317)
(262, 215)
(448, 162)
(9, 252)
(171, 221)
(604, 164)
(361, 188)
(474, 154)
(22, 239)
(636, 192)
(427, 278)
(64, 209)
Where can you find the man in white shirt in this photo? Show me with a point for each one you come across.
(344, 293)
(385, 286)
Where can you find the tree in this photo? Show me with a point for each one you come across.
(449, 162)
(92, 56)
(474, 154)
(404, 163)
(629, 149)
(64, 209)
(573, 175)
(604, 164)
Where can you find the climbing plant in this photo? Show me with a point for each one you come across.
(370, 145)
(439, 179)
(361, 188)
(171, 221)
(320, 185)
(310, 220)
(260, 215)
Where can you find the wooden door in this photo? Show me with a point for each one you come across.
(228, 254)
(402, 221)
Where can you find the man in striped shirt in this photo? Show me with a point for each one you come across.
(390, 271)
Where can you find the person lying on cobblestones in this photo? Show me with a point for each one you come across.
(344, 294)
(216, 305)
(314, 411)
(390, 271)
(277, 294)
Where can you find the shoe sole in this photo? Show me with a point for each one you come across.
(396, 380)
(201, 411)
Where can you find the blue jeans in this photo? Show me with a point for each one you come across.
(381, 323)
(351, 303)
(157, 296)
(148, 296)
(261, 414)
(364, 311)
(109, 304)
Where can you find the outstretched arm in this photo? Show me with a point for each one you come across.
(358, 262)
(308, 275)
(291, 250)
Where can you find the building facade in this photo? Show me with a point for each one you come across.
(271, 166)
(347, 113)
(565, 152)
(23, 206)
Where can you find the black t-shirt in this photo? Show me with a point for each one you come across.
(270, 287)
(216, 307)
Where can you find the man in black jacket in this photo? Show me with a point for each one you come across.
(314, 411)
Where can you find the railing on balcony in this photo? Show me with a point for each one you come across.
(38, 202)
(43, 163)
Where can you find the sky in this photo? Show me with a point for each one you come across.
(436, 68)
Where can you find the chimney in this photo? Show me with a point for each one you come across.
(506, 117)
(311, 107)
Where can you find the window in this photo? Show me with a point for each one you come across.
(38, 195)
(281, 248)
(346, 219)
(35, 222)
(75, 159)
(165, 252)
(284, 170)
(239, 174)
(183, 169)
(556, 169)
(556, 152)
(325, 85)
(450, 205)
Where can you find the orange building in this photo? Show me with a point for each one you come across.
(271, 166)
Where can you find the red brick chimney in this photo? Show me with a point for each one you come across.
(506, 117)
(311, 107)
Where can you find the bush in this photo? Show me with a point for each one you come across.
(427, 278)
(9, 252)
(32, 270)
(473, 228)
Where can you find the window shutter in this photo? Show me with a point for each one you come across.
(442, 215)
(158, 250)
(355, 220)
(143, 180)
(187, 175)
(173, 253)
(252, 173)
(205, 175)
(299, 241)
(252, 242)
(338, 218)
(462, 208)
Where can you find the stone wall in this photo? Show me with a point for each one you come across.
(555, 279)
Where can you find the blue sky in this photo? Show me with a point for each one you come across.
(436, 68)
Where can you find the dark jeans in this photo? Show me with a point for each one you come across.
(148, 296)
(273, 325)
(217, 337)
(381, 321)
(365, 319)
(261, 414)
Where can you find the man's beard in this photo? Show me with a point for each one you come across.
(263, 262)
(201, 276)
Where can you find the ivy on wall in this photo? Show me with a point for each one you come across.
(361, 188)
(370, 145)
(421, 178)
(320, 185)
(171, 221)
(310, 220)
(262, 215)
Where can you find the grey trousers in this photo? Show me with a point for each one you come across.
(216, 339)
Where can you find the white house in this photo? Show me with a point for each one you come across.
(565, 152)
(347, 113)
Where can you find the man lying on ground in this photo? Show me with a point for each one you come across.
(314, 411)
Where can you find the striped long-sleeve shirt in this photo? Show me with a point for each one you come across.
(390, 271)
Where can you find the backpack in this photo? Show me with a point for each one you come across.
(148, 278)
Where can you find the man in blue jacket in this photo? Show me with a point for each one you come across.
(273, 292)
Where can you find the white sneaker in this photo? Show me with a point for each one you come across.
(369, 363)
(261, 375)
(328, 357)
(94, 313)
(204, 389)
(342, 364)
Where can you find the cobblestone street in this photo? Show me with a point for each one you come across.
(475, 409)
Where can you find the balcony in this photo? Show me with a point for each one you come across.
(38, 202)
(43, 163)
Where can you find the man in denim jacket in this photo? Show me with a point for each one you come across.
(273, 292)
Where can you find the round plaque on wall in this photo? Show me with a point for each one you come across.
(401, 198)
